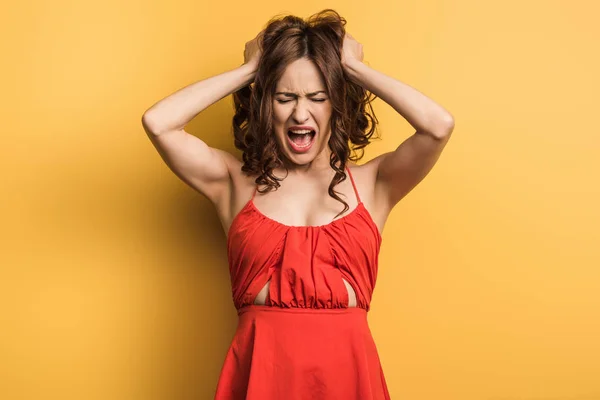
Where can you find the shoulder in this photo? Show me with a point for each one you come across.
(365, 179)
(239, 189)
(238, 178)
(367, 172)
(365, 176)
(238, 183)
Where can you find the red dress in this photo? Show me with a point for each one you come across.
(305, 342)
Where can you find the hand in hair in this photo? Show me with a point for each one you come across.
(352, 51)
(253, 51)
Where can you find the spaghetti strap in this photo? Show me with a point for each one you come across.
(310, 273)
(353, 184)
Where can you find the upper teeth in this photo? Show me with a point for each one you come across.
(301, 132)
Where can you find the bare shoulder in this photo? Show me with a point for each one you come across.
(233, 163)
(241, 186)
(365, 178)
(239, 178)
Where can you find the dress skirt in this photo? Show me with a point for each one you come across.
(282, 353)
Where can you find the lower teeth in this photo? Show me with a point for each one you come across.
(310, 138)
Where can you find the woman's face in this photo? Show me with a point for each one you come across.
(301, 104)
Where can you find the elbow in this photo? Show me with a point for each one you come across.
(448, 125)
(443, 128)
(148, 125)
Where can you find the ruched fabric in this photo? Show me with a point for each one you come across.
(305, 342)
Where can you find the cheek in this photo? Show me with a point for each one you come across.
(279, 118)
(279, 121)
(325, 119)
(325, 111)
(279, 112)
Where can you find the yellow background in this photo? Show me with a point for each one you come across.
(114, 281)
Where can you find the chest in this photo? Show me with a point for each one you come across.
(304, 209)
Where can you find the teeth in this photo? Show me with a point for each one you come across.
(301, 132)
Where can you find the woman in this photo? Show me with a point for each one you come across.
(302, 270)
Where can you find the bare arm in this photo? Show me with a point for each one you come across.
(399, 171)
(177, 110)
(203, 168)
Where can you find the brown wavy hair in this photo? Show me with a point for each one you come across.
(287, 39)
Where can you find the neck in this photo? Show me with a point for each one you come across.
(317, 166)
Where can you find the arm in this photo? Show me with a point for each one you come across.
(398, 172)
(203, 168)
(177, 110)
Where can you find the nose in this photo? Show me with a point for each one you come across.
(300, 113)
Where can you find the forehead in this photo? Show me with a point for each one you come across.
(301, 76)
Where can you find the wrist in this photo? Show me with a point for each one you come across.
(250, 67)
(352, 67)
(249, 70)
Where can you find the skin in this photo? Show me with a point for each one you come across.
(303, 191)
(302, 198)
(292, 106)
(296, 102)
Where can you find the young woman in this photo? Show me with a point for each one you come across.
(303, 242)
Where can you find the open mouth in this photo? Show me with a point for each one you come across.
(301, 141)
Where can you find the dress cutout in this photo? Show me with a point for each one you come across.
(305, 342)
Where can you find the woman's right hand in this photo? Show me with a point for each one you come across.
(253, 51)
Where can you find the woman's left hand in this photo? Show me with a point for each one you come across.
(352, 51)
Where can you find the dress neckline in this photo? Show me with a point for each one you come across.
(250, 204)
(354, 210)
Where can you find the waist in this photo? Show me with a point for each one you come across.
(259, 308)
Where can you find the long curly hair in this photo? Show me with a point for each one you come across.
(287, 39)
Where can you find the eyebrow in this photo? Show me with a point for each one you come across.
(290, 94)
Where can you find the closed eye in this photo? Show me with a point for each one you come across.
(287, 101)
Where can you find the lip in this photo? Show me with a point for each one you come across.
(300, 150)
(302, 127)
(296, 149)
